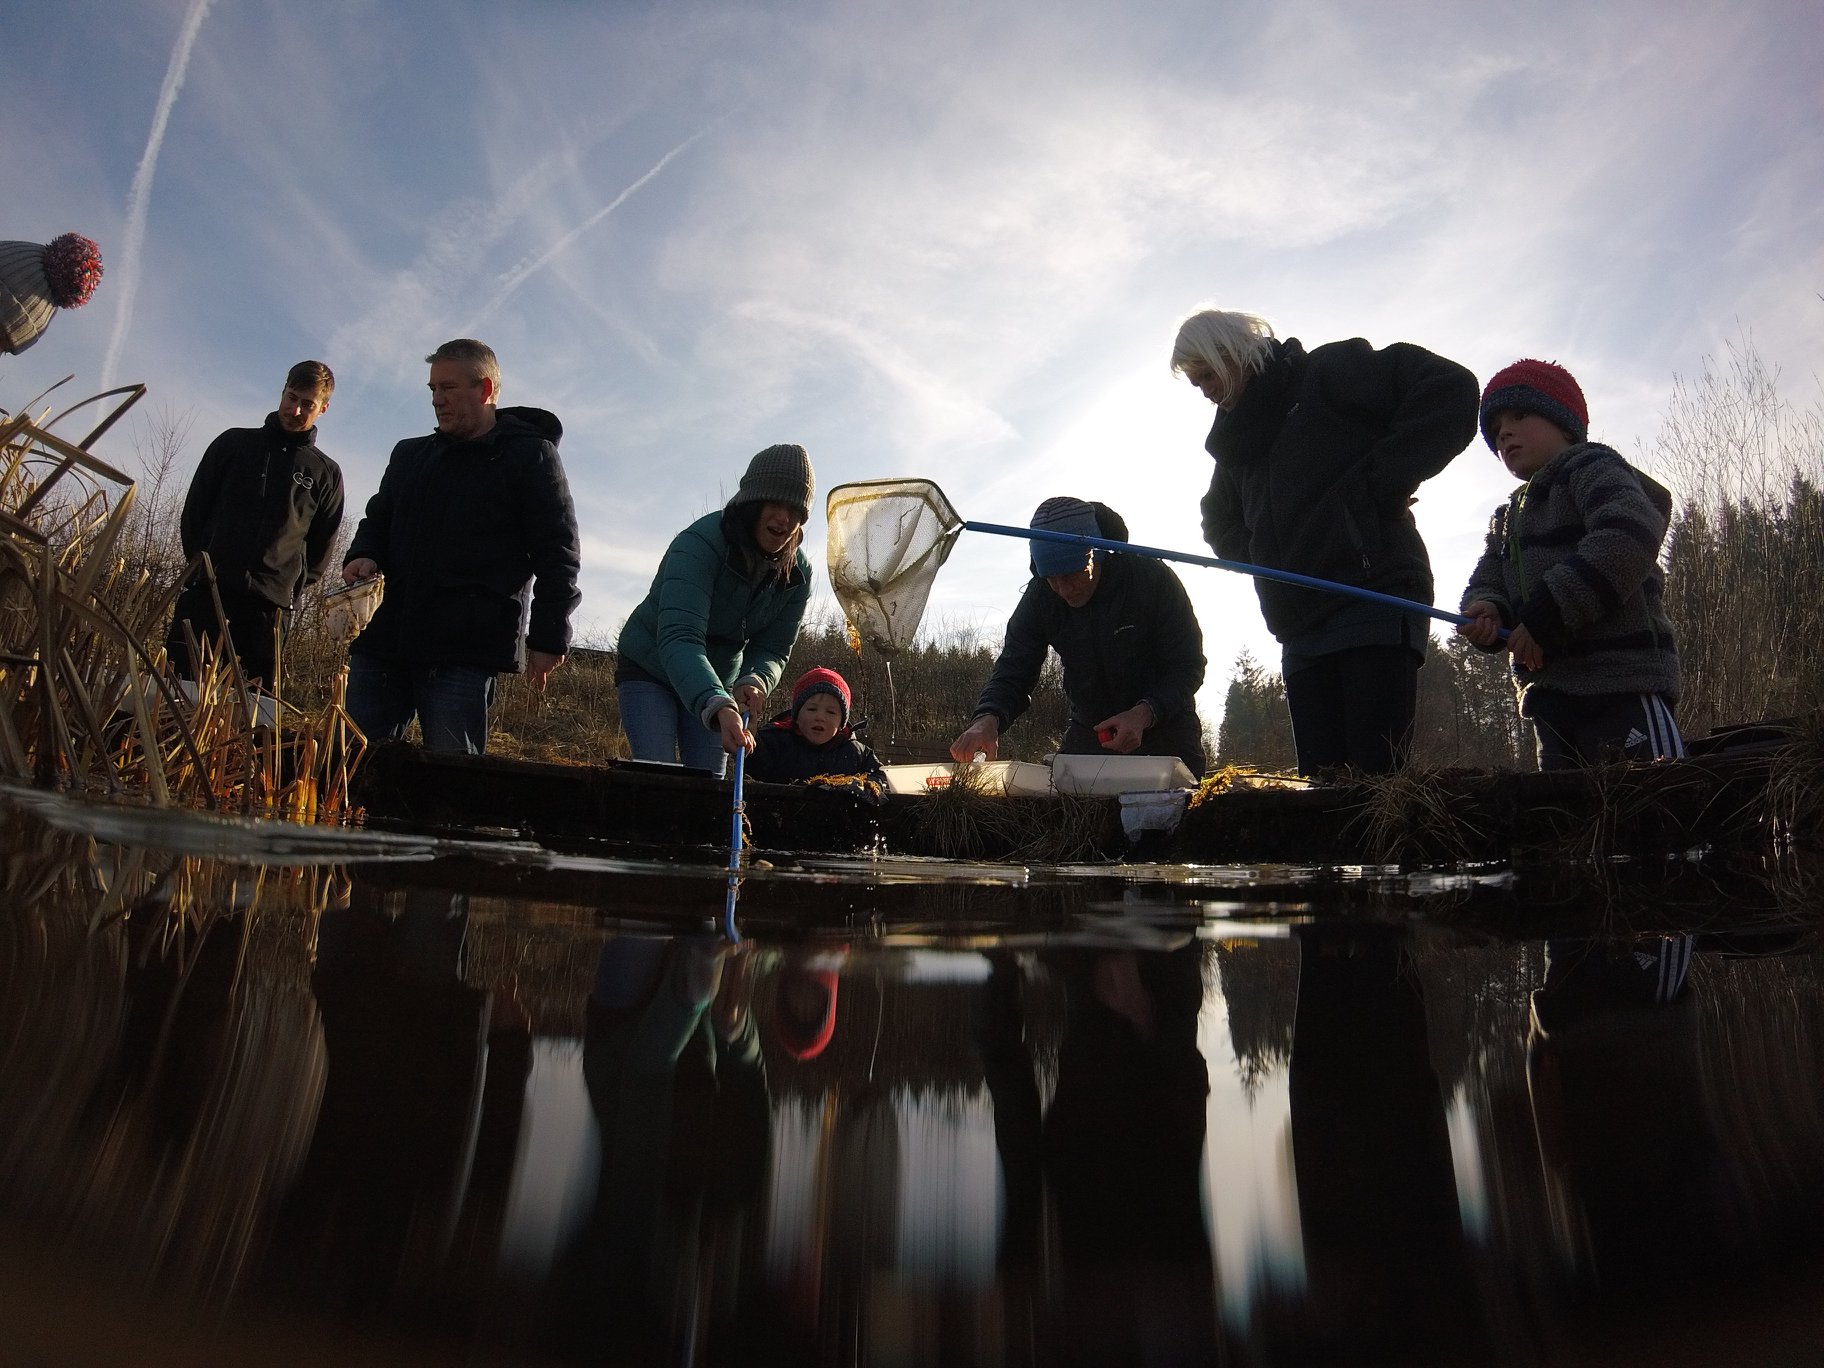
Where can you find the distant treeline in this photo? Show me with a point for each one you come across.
(1745, 562)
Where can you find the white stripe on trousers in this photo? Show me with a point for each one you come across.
(1662, 730)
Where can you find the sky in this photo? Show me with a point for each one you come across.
(950, 239)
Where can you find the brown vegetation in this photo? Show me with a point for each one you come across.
(87, 698)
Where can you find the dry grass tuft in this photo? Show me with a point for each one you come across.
(971, 818)
(1408, 816)
(86, 705)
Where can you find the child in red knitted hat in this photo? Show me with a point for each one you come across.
(1571, 568)
(814, 739)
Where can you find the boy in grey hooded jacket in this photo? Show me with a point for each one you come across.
(1571, 568)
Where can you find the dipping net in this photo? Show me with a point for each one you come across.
(887, 541)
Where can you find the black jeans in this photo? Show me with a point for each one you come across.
(250, 624)
(1355, 707)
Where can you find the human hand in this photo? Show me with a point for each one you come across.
(735, 736)
(982, 736)
(539, 665)
(750, 698)
(1484, 626)
(1528, 653)
(1123, 732)
(360, 568)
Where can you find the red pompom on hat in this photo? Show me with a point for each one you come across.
(1542, 387)
(821, 681)
(38, 279)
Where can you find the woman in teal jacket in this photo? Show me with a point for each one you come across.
(710, 639)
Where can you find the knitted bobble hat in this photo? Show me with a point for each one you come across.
(782, 475)
(1062, 514)
(805, 1010)
(1541, 387)
(821, 681)
(36, 280)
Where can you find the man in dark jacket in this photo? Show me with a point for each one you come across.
(465, 522)
(1127, 636)
(1318, 458)
(265, 504)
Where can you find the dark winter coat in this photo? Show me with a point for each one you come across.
(782, 756)
(1136, 639)
(266, 505)
(462, 530)
(716, 614)
(1574, 556)
(1317, 466)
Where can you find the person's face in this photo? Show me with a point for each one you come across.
(300, 409)
(1078, 588)
(460, 399)
(774, 527)
(820, 718)
(1209, 382)
(1526, 441)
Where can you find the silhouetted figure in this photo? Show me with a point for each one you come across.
(1386, 1267)
(1119, 1151)
(398, 1209)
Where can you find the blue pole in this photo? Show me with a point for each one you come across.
(735, 842)
(1240, 567)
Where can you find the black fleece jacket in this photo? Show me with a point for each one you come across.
(266, 505)
(1317, 465)
(1137, 638)
(462, 530)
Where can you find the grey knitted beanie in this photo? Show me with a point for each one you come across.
(1062, 514)
(780, 474)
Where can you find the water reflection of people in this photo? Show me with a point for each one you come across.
(399, 1206)
(677, 1082)
(1119, 1151)
(1640, 1189)
(1386, 1265)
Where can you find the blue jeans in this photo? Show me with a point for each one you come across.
(660, 727)
(450, 702)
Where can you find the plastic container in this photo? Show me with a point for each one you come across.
(348, 610)
(1111, 775)
(1144, 810)
(1014, 778)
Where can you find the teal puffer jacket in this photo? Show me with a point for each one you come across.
(714, 616)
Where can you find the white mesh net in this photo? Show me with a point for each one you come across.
(887, 540)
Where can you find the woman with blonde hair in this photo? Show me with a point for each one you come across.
(1318, 457)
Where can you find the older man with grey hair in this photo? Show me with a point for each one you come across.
(474, 529)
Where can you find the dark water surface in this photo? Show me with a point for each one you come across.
(271, 1095)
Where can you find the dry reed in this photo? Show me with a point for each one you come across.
(86, 705)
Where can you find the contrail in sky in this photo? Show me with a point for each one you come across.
(518, 275)
(127, 279)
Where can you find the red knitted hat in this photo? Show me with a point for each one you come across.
(804, 1010)
(1542, 387)
(821, 681)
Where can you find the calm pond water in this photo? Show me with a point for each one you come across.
(272, 1095)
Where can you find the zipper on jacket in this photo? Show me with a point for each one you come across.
(1355, 539)
(1517, 507)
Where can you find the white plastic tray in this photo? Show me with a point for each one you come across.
(1109, 775)
(1015, 778)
